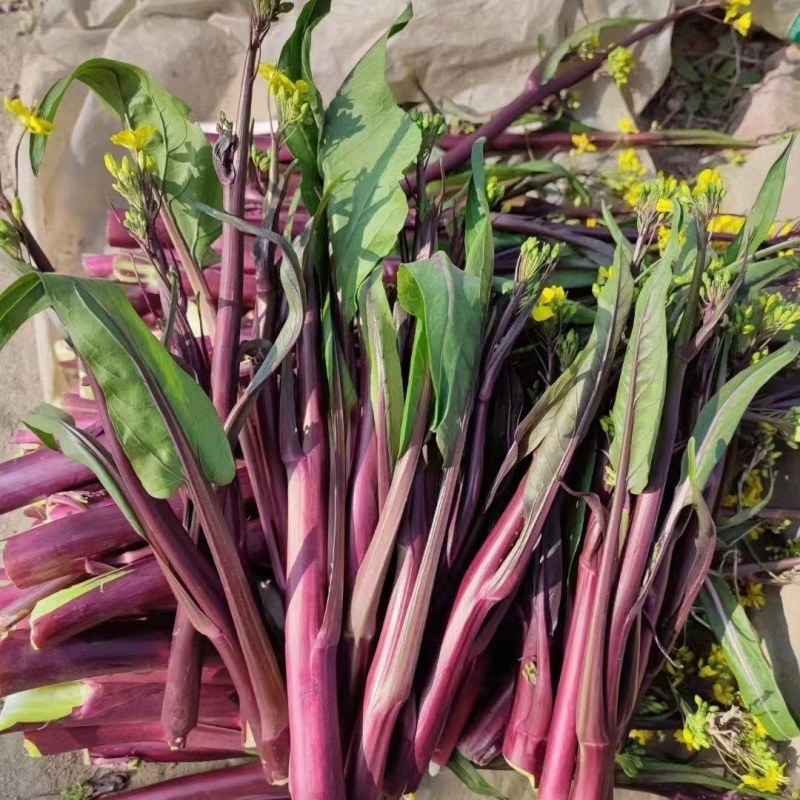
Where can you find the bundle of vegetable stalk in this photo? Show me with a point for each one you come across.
(359, 479)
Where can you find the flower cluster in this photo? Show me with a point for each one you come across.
(132, 175)
(582, 144)
(535, 258)
(694, 735)
(708, 192)
(680, 665)
(432, 126)
(760, 320)
(716, 669)
(292, 96)
(743, 744)
(751, 595)
(620, 65)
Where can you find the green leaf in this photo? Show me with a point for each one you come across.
(563, 425)
(643, 380)
(762, 274)
(417, 371)
(127, 361)
(43, 704)
(468, 774)
(14, 265)
(303, 140)
(60, 598)
(181, 151)
(447, 305)
(368, 143)
(57, 430)
(531, 429)
(18, 303)
(620, 240)
(385, 371)
(759, 690)
(478, 225)
(721, 415)
(581, 35)
(764, 210)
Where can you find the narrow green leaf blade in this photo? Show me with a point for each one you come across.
(18, 303)
(757, 685)
(57, 430)
(468, 774)
(182, 154)
(642, 382)
(447, 302)
(764, 209)
(563, 426)
(122, 353)
(721, 415)
(367, 145)
(478, 233)
(385, 372)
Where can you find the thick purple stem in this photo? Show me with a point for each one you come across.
(315, 767)
(142, 590)
(245, 782)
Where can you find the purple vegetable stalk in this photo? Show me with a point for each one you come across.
(315, 768)
(141, 590)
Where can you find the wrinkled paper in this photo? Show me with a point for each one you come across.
(469, 55)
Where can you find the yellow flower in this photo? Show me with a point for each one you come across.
(592, 222)
(277, 82)
(743, 23)
(724, 692)
(733, 8)
(753, 596)
(628, 161)
(752, 490)
(725, 223)
(627, 125)
(689, 739)
(135, 139)
(27, 117)
(633, 194)
(772, 780)
(550, 300)
(582, 144)
(759, 728)
(664, 205)
(641, 736)
(708, 181)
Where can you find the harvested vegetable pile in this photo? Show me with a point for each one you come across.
(386, 454)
